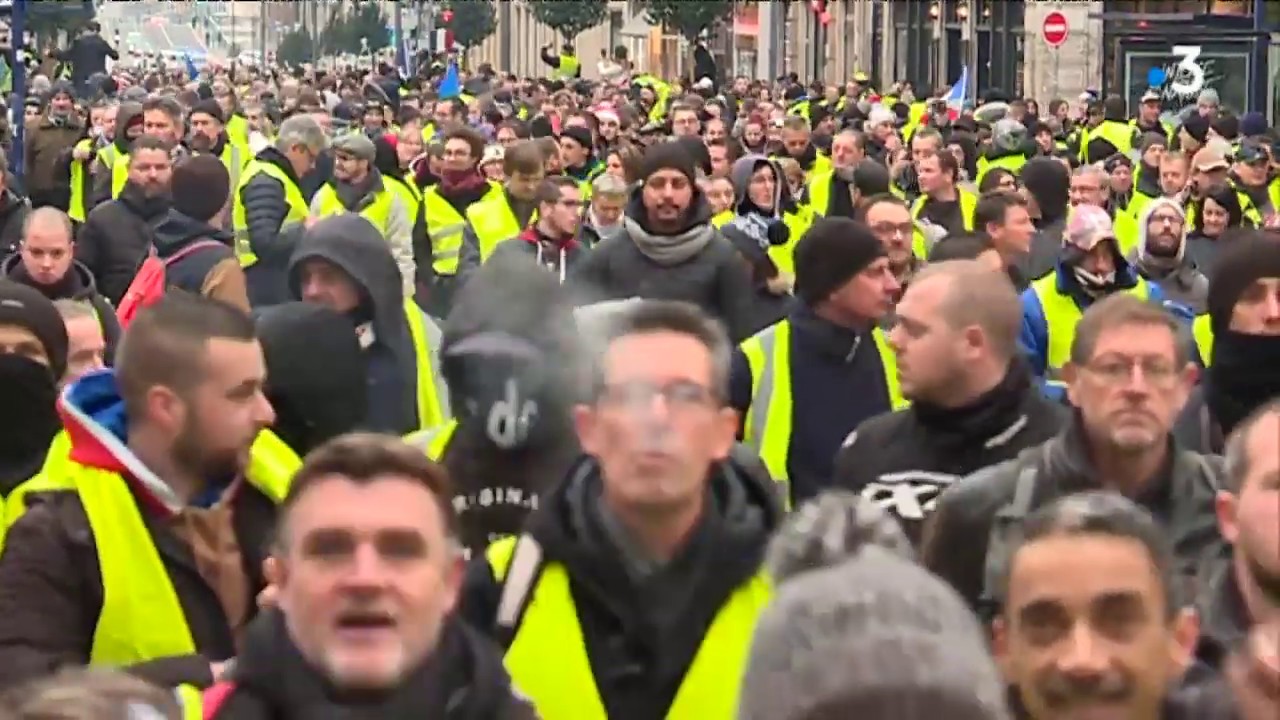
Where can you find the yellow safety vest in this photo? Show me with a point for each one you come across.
(377, 211)
(191, 701)
(566, 689)
(968, 203)
(767, 426)
(235, 158)
(433, 441)
(1202, 330)
(432, 392)
(569, 67)
(493, 221)
(445, 228)
(238, 131)
(783, 256)
(76, 209)
(119, 174)
(107, 155)
(1118, 134)
(142, 618)
(298, 208)
(1060, 317)
(1012, 163)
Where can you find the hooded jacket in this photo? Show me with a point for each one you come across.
(1047, 181)
(51, 585)
(116, 237)
(641, 626)
(765, 238)
(77, 284)
(696, 265)
(559, 257)
(463, 679)
(211, 270)
(1180, 496)
(1178, 278)
(128, 114)
(13, 214)
(354, 246)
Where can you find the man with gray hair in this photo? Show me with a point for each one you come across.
(604, 215)
(269, 209)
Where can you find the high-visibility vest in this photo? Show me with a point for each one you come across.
(76, 209)
(432, 400)
(566, 689)
(1013, 163)
(191, 700)
(1060, 317)
(1118, 134)
(493, 221)
(377, 211)
(433, 441)
(119, 174)
(238, 130)
(569, 67)
(107, 155)
(968, 204)
(445, 227)
(783, 256)
(767, 426)
(234, 158)
(1202, 330)
(298, 208)
(142, 618)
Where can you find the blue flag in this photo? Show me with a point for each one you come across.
(450, 84)
(192, 72)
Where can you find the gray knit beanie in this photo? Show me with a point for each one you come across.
(857, 629)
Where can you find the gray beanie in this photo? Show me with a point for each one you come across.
(856, 629)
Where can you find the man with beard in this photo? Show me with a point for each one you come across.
(1118, 439)
(831, 192)
(973, 403)
(33, 357)
(669, 249)
(1160, 256)
(46, 261)
(366, 572)
(797, 142)
(1239, 343)
(358, 187)
(143, 549)
(1094, 625)
(48, 148)
(118, 233)
(511, 360)
(447, 203)
(1244, 591)
(209, 136)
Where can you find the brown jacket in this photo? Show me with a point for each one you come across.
(47, 152)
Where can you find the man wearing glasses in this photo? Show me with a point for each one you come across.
(552, 241)
(1161, 256)
(1128, 375)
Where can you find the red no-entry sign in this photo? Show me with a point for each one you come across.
(1055, 29)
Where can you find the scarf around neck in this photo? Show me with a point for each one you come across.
(669, 250)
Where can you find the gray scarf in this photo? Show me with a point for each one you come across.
(669, 250)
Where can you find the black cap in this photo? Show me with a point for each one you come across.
(210, 108)
(28, 308)
(830, 253)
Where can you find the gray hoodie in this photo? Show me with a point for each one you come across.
(1177, 277)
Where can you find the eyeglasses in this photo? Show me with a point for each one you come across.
(677, 395)
(1167, 219)
(1119, 370)
(890, 229)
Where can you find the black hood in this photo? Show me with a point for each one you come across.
(177, 230)
(77, 284)
(356, 247)
(127, 113)
(462, 680)
(315, 373)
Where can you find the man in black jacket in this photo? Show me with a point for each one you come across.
(1128, 376)
(973, 401)
(88, 55)
(366, 573)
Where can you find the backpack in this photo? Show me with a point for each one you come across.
(148, 284)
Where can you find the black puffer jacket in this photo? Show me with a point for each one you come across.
(265, 211)
(1181, 497)
(462, 680)
(116, 237)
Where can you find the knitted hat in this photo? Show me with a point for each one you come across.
(667, 156)
(1253, 123)
(210, 108)
(1197, 126)
(1226, 125)
(829, 254)
(200, 187)
(1153, 139)
(28, 308)
(856, 629)
(1239, 264)
(356, 144)
(578, 134)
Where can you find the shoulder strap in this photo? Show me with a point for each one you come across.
(1003, 525)
(198, 245)
(523, 570)
(1207, 470)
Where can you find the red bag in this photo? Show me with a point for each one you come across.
(149, 285)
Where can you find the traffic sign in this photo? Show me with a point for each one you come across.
(1055, 29)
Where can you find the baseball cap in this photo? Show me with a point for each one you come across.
(1208, 159)
(1150, 96)
(1087, 225)
(1253, 151)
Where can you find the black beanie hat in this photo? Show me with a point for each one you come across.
(200, 187)
(210, 108)
(1239, 264)
(580, 135)
(26, 307)
(830, 253)
(1197, 126)
(672, 155)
